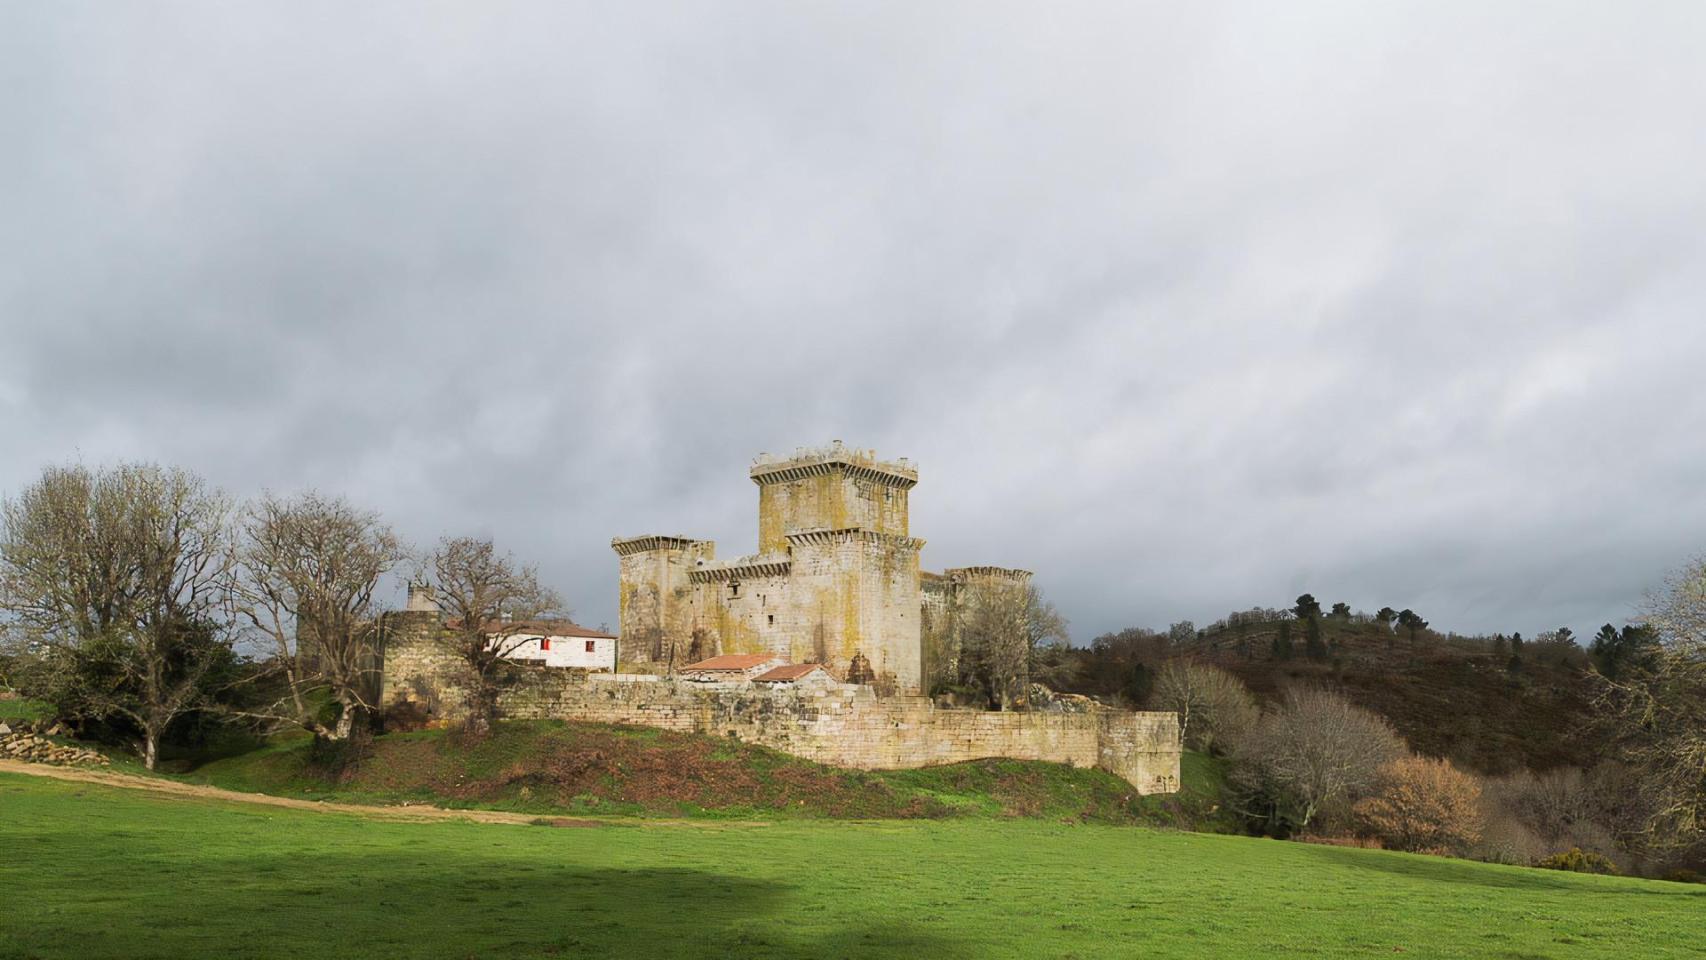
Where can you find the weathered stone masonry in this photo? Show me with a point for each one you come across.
(849, 726)
(836, 576)
(843, 724)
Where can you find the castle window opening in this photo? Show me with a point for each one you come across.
(734, 588)
(772, 619)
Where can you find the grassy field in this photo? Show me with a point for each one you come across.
(95, 872)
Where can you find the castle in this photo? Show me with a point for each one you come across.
(821, 644)
(836, 579)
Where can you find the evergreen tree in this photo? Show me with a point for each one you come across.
(1307, 607)
(1616, 652)
(1410, 621)
(1282, 641)
(1387, 616)
(1312, 644)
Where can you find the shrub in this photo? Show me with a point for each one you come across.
(1577, 860)
(1506, 839)
(1359, 843)
(1423, 806)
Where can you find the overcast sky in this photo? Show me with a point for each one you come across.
(1187, 307)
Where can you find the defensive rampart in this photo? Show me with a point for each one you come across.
(841, 724)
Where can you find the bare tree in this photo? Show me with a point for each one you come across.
(1214, 707)
(119, 579)
(1002, 628)
(1565, 808)
(311, 566)
(1659, 710)
(939, 633)
(1314, 755)
(480, 590)
(1182, 635)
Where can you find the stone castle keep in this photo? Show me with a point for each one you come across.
(836, 582)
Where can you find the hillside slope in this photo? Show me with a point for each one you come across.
(1470, 709)
(585, 768)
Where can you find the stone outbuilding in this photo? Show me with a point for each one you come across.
(731, 668)
(798, 676)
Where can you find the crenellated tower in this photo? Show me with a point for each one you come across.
(836, 578)
(833, 488)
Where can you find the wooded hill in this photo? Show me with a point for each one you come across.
(1491, 704)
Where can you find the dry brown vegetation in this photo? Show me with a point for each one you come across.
(1423, 806)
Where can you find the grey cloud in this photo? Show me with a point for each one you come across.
(1186, 308)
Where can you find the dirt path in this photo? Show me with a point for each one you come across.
(130, 781)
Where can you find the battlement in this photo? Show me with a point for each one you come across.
(630, 545)
(819, 461)
(741, 568)
(851, 534)
(966, 574)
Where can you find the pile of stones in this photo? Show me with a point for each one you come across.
(23, 744)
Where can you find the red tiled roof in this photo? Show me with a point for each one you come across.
(788, 673)
(731, 661)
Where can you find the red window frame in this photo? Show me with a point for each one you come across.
(592, 646)
(544, 644)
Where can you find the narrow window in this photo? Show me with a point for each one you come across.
(544, 644)
(772, 619)
(592, 646)
(734, 588)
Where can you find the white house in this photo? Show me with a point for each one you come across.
(555, 643)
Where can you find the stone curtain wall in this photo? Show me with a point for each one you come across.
(849, 726)
(842, 724)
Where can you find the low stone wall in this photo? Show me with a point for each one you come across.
(843, 725)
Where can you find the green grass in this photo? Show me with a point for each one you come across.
(22, 710)
(580, 768)
(93, 872)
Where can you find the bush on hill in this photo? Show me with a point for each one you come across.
(1577, 860)
(1423, 806)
